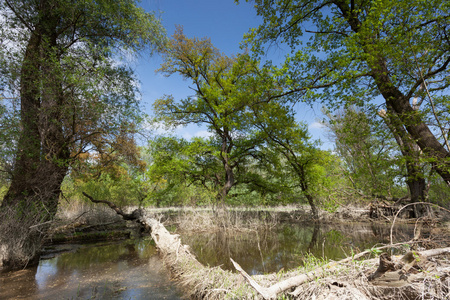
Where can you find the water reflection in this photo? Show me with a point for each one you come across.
(287, 246)
(132, 270)
(126, 270)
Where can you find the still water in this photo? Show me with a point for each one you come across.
(132, 269)
(288, 246)
(125, 270)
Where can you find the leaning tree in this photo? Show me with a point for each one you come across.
(356, 52)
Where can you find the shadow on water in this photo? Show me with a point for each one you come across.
(289, 246)
(125, 270)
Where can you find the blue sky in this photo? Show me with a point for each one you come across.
(225, 23)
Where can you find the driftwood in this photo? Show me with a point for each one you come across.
(202, 281)
(173, 250)
(285, 285)
(400, 272)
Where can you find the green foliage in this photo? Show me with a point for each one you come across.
(370, 157)
(111, 178)
(180, 172)
(9, 131)
(63, 64)
(122, 191)
(290, 153)
(358, 52)
(226, 89)
(438, 193)
(375, 252)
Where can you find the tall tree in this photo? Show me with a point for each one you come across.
(61, 59)
(176, 165)
(365, 49)
(293, 151)
(414, 162)
(225, 88)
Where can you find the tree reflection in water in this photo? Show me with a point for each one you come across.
(288, 245)
(125, 270)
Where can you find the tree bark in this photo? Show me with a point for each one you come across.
(225, 152)
(395, 98)
(42, 159)
(314, 211)
(411, 152)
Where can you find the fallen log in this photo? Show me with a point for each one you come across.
(200, 282)
(167, 243)
(214, 283)
(287, 284)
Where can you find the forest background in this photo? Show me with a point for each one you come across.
(72, 119)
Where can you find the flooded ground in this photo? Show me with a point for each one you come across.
(288, 246)
(121, 270)
(131, 269)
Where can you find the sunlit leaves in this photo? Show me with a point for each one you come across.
(346, 53)
(92, 41)
(225, 90)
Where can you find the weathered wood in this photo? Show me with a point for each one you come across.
(262, 291)
(170, 245)
(386, 264)
(282, 286)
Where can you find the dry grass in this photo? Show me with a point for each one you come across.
(21, 237)
(86, 213)
(229, 220)
(201, 282)
(350, 281)
(347, 281)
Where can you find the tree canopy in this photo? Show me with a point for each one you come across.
(225, 88)
(62, 67)
(355, 52)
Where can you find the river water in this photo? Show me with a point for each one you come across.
(132, 269)
(122, 270)
(288, 246)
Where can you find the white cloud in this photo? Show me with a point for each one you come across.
(186, 132)
(316, 125)
(187, 136)
(203, 134)
(160, 128)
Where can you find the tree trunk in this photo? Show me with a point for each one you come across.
(411, 119)
(227, 145)
(42, 156)
(417, 187)
(314, 211)
(411, 152)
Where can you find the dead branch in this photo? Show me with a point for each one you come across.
(403, 207)
(282, 286)
(182, 262)
(132, 216)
